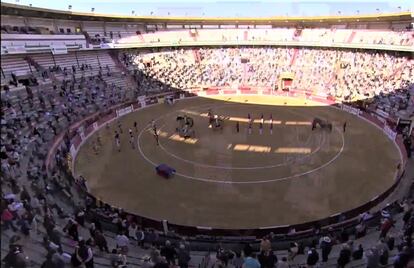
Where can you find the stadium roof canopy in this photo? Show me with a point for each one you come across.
(27, 11)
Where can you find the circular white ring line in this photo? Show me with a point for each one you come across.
(321, 143)
(253, 182)
(241, 182)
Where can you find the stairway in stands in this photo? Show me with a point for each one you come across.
(351, 37)
(295, 53)
(141, 38)
(118, 64)
(41, 68)
(196, 54)
(193, 34)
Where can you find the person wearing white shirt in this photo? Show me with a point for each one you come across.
(122, 242)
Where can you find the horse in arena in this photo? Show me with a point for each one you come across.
(216, 122)
(169, 99)
(185, 120)
(323, 124)
(184, 128)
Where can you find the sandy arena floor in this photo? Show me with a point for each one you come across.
(227, 179)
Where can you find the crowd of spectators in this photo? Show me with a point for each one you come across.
(318, 253)
(344, 74)
(31, 196)
(31, 120)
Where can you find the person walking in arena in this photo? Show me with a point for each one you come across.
(271, 124)
(237, 127)
(344, 127)
(261, 124)
(153, 126)
(131, 140)
(117, 141)
(155, 133)
(135, 126)
(120, 127)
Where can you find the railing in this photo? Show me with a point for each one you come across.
(25, 48)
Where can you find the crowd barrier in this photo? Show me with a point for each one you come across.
(80, 132)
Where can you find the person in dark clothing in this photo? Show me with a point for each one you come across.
(407, 216)
(326, 247)
(101, 241)
(83, 255)
(390, 242)
(162, 264)
(169, 252)
(248, 250)
(344, 256)
(15, 258)
(359, 253)
(267, 259)
(50, 262)
(72, 229)
(313, 257)
(402, 258)
(344, 236)
(183, 257)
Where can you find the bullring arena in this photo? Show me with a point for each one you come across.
(257, 177)
(162, 141)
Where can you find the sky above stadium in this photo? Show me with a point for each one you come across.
(225, 8)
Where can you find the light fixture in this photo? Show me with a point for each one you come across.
(70, 7)
(92, 9)
(133, 12)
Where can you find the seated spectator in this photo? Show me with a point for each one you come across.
(250, 261)
(15, 258)
(83, 255)
(100, 241)
(293, 251)
(358, 254)
(313, 258)
(283, 263)
(183, 257)
(344, 256)
(117, 259)
(122, 242)
(169, 252)
(373, 258)
(326, 247)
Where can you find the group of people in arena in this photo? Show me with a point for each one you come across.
(49, 209)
